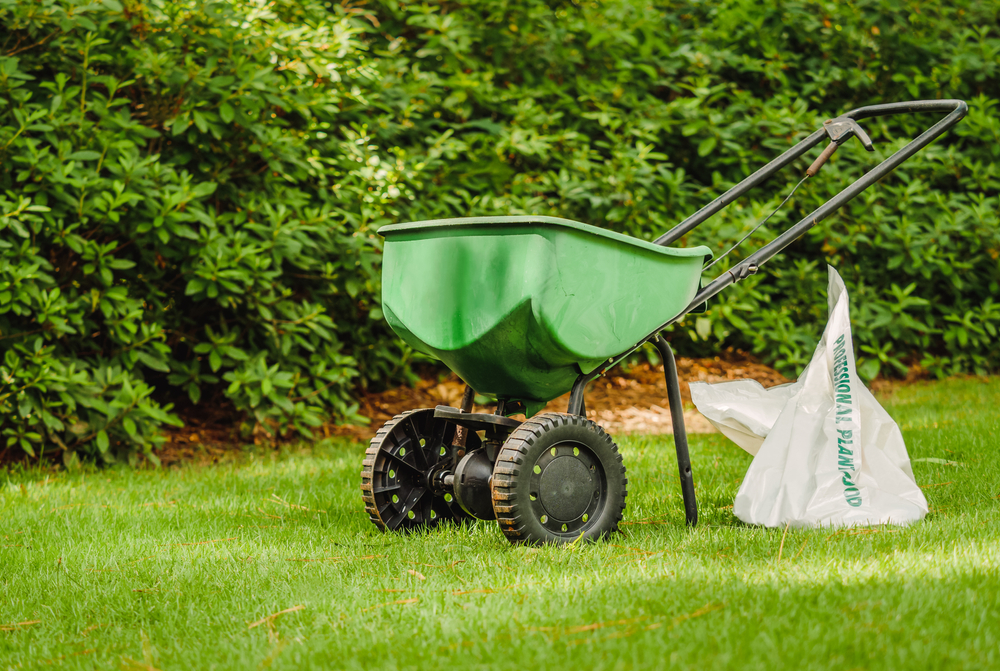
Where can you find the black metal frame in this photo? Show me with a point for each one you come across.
(837, 130)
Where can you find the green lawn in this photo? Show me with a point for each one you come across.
(270, 562)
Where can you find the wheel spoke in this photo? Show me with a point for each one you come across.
(416, 494)
(383, 490)
(452, 508)
(408, 505)
(438, 441)
(394, 521)
(402, 460)
(383, 510)
(411, 430)
(428, 505)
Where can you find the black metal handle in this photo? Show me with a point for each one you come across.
(956, 109)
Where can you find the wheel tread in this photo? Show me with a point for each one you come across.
(513, 454)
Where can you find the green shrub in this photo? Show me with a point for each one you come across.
(189, 190)
(189, 198)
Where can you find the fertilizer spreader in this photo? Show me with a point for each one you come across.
(527, 308)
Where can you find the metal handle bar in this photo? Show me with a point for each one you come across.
(957, 109)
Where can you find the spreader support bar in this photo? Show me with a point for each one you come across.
(680, 432)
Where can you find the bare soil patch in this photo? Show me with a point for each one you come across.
(630, 400)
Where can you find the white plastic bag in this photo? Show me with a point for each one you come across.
(826, 453)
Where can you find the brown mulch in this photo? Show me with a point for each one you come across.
(210, 435)
(622, 401)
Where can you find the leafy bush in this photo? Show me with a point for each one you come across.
(189, 190)
(189, 197)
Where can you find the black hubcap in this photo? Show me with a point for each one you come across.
(567, 482)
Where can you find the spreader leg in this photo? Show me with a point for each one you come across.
(462, 433)
(680, 435)
(577, 405)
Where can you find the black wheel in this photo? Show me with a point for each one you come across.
(558, 477)
(399, 467)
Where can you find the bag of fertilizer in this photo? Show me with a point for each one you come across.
(825, 452)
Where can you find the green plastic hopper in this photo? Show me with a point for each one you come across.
(519, 307)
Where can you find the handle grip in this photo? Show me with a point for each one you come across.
(822, 158)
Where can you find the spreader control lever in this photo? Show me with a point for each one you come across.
(840, 130)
